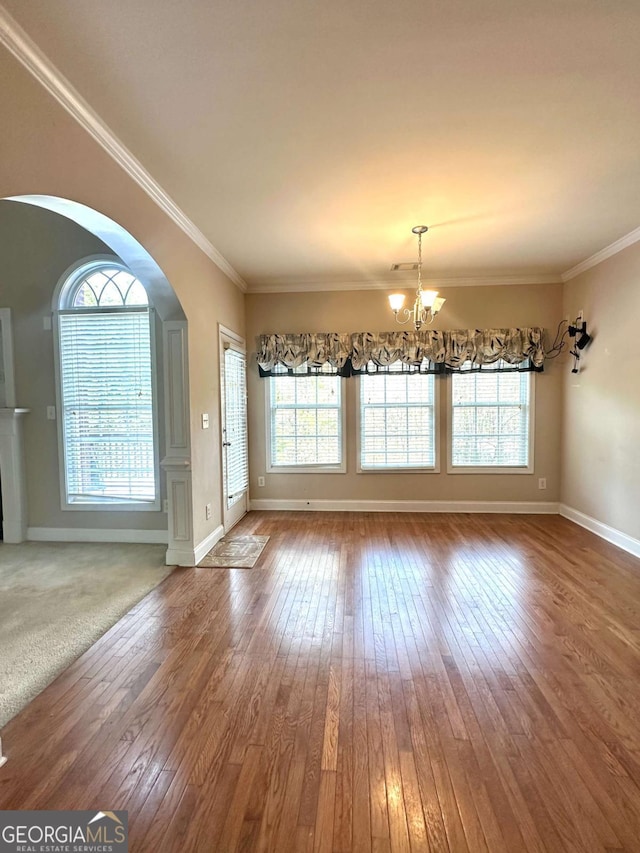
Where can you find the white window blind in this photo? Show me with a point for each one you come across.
(107, 405)
(305, 421)
(236, 456)
(397, 420)
(490, 420)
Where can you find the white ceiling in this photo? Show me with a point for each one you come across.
(305, 139)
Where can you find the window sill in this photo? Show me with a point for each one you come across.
(525, 469)
(401, 470)
(123, 506)
(307, 469)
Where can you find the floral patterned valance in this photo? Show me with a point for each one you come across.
(313, 349)
(425, 351)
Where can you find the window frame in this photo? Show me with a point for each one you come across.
(492, 469)
(338, 468)
(435, 469)
(68, 283)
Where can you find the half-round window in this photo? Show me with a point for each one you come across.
(107, 389)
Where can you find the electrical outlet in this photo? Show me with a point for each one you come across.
(260, 482)
(165, 505)
(51, 413)
(542, 482)
(207, 511)
(46, 324)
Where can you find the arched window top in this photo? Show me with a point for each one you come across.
(103, 285)
(106, 380)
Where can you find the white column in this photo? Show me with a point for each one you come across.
(177, 461)
(12, 474)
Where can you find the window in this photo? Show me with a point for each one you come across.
(397, 421)
(306, 423)
(235, 457)
(490, 421)
(106, 390)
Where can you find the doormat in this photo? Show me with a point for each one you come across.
(234, 552)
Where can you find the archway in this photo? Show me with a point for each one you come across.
(176, 461)
(121, 242)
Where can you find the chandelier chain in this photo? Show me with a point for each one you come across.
(427, 303)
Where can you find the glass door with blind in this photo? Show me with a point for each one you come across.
(235, 452)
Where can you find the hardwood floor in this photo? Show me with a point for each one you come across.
(378, 682)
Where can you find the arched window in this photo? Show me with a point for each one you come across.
(105, 346)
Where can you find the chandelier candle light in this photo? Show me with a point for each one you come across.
(427, 303)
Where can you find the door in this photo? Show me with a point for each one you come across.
(235, 451)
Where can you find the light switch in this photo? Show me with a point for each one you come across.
(51, 413)
(46, 324)
(205, 421)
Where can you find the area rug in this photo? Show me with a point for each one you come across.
(56, 600)
(235, 552)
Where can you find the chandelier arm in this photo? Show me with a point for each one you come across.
(407, 316)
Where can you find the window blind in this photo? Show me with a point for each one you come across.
(236, 457)
(490, 420)
(397, 423)
(306, 421)
(107, 406)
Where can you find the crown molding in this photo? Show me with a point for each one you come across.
(608, 252)
(317, 285)
(25, 50)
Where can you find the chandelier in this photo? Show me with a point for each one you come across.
(427, 303)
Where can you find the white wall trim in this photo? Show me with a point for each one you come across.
(180, 557)
(207, 544)
(611, 534)
(87, 534)
(608, 251)
(3, 758)
(506, 507)
(25, 50)
(299, 285)
(7, 360)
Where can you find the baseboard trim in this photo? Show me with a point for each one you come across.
(207, 544)
(505, 507)
(177, 557)
(87, 534)
(191, 556)
(13, 532)
(3, 758)
(604, 531)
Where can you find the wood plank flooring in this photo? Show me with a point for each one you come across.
(378, 682)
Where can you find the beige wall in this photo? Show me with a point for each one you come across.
(601, 424)
(44, 151)
(466, 307)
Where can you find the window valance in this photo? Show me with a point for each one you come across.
(430, 351)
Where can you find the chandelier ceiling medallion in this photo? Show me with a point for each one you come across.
(427, 303)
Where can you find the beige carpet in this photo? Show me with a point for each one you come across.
(235, 552)
(56, 600)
